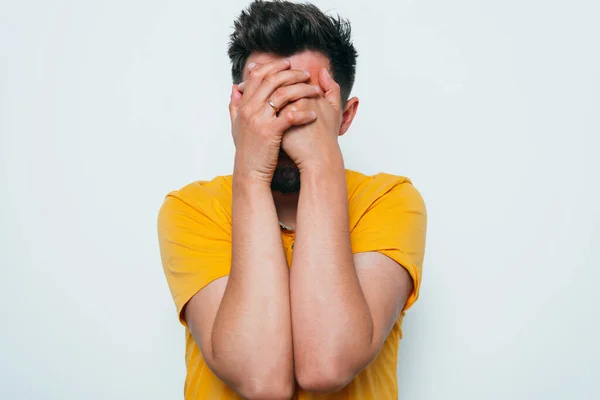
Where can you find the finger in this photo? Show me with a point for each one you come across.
(259, 72)
(286, 94)
(242, 85)
(330, 87)
(289, 118)
(275, 81)
(234, 100)
(303, 104)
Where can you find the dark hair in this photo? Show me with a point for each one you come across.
(285, 28)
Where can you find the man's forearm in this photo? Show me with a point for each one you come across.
(252, 330)
(330, 316)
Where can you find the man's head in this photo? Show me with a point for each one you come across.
(311, 40)
(284, 28)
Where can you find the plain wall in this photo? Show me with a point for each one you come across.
(491, 108)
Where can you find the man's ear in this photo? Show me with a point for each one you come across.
(348, 115)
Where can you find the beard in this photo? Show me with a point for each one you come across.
(286, 178)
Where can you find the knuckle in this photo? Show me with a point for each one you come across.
(271, 79)
(279, 93)
(254, 74)
(299, 77)
(254, 121)
(310, 89)
(246, 114)
(301, 103)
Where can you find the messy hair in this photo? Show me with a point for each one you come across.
(284, 28)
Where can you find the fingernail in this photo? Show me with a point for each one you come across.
(313, 114)
(241, 86)
(307, 73)
(251, 65)
(327, 73)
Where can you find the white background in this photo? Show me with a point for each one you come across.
(491, 108)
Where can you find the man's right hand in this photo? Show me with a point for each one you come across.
(256, 127)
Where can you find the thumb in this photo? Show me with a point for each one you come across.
(234, 100)
(330, 87)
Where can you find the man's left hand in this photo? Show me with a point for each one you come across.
(313, 143)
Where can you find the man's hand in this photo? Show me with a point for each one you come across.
(256, 127)
(313, 143)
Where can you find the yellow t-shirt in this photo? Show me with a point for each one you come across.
(386, 214)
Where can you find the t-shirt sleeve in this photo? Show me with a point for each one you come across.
(395, 225)
(195, 249)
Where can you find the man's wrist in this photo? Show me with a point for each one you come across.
(245, 176)
(250, 180)
(329, 158)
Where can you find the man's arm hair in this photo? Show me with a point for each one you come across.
(344, 306)
(242, 322)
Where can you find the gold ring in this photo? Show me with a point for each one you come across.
(273, 105)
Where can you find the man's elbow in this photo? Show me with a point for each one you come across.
(325, 381)
(327, 373)
(327, 376)
(256, 382)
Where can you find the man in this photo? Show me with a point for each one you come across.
(292, 275)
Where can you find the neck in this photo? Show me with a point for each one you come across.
(286, 205)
